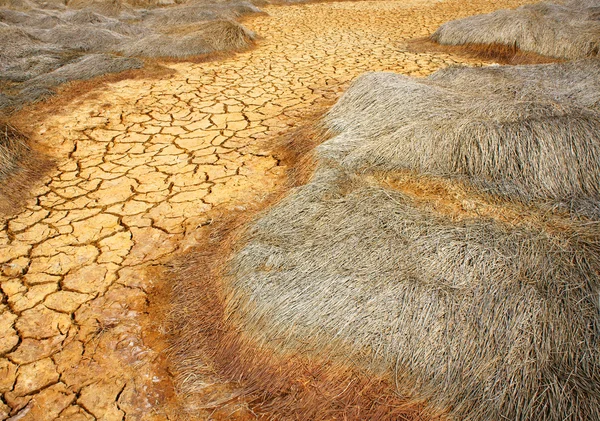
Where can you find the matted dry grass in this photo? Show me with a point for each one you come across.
(441, 261)
(567, 30)
(528, 133)
(45, 45)
(20, 167)
(501, 54)
(257, 380)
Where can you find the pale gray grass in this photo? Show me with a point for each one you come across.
(481, 318)
(570, 30)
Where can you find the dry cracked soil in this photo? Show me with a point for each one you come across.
(140, 165)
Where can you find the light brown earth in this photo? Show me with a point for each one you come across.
(140, 165)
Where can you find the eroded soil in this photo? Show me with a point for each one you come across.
(140, 165)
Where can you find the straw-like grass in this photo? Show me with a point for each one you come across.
(206, 38)
(462, 315)
(570, 30)
(86, 67)
(50, 42)
(86, 38)
(482, 319)
(20, 167)
(13, 145)
(530, 133)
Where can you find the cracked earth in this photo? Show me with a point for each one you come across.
(141, 164)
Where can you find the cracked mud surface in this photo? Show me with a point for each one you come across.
(140, 165)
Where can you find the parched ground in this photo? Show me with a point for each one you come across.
(140, 165)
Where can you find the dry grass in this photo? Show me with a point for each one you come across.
(501, 54)
(21, 166)
(222, 372)
(251, 378)
(467, 315)
(84, 68)
(528, 133)
(570, 30)
(204, 39)
(42, 45)
(438, 257)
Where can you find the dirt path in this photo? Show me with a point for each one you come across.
(142, 164)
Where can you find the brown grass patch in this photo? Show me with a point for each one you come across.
(206, 58)
(459, 201)
(502, 54)
(295, 148)
(254, 378)
(21, 166)
(223, 373)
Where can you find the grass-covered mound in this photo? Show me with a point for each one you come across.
(431, 252)
(568, 30)
(45, 44)
(530, 133)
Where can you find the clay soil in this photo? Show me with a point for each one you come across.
(141, 163)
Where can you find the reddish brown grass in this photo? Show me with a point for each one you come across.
(256, 380)
(273, 385)
(31, 165)
(502, 54)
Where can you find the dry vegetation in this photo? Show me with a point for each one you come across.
(44, 45)
(437, 257)
(530, 133)
(19, 165)
(568, 30)
(353, 287)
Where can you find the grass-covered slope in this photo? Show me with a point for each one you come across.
(568, 30)
(432, 248)
(524, 132)
(44, 45)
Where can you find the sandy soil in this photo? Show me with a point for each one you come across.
(140, 165)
